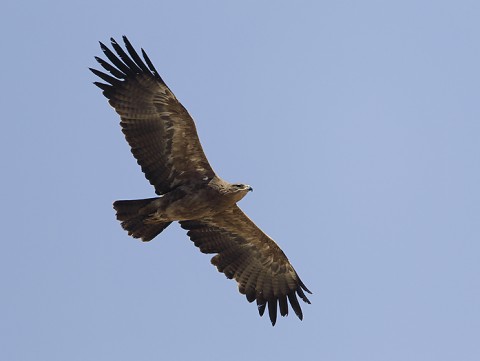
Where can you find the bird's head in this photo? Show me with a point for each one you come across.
(239, 190)
(239, 187)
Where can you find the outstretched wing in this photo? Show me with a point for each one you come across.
(161, 133)
(252, 258)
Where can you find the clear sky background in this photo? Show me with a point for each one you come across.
(358, 125)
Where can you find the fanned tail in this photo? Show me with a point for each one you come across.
(132, 219)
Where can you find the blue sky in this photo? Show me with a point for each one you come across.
(358, 125)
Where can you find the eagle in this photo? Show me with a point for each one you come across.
(163, 139)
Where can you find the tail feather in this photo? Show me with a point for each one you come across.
(132, 219)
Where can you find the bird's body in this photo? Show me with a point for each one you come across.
(163, 139)
(206, 199)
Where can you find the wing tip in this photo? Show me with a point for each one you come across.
(279, 304)
(272, 310)
(305, 288)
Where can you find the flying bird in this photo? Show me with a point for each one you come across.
(164, 141)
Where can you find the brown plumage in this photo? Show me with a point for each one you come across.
(164, 140)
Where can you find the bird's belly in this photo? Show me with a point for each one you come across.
(192, 206)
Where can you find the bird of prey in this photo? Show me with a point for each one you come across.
(164, 141)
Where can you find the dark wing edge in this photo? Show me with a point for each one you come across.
(124, 66)
(162, 135)
(253, 259)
